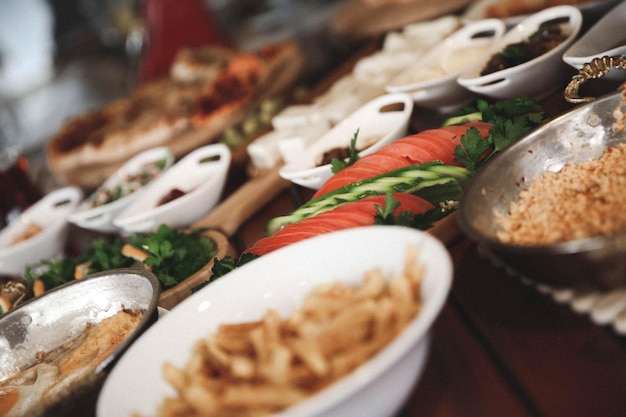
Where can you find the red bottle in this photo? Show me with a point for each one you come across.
(170, 26)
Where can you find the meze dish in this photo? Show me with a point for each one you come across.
(413, 181)
(57, 349)
(137, 384)
(181, 260)
(378, 123)
(528, 72)
(39, 232)
(179, 112)
(98, 211)
(573, 244)
(183, 194)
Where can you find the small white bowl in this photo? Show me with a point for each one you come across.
(281, 280)
(606, 37)
(50, 214)
(379, 122)
(433, 83)
(200, 175)
(536, 78)
(100, 218)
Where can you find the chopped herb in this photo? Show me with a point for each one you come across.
(225, 265)
(172, 256)
(509, 119)
(422, 221)
(339, 164)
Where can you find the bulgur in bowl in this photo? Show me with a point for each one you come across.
(551, 206)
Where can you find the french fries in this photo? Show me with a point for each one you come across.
(259, 368)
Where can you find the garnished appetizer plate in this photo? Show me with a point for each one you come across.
(183, 194)
(98, 210)
(375, 124)
(39, 233)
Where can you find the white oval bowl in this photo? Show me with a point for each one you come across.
(100, 218)
(442, 90)
(50, 213)
(281, 280)
(536, 78)
(376, 129)
(201, 175)
(600, 41)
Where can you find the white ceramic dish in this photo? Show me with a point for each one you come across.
(605, 38)
(100, 218)
(50, 214)
(200, 175)
(433, 83)
(379, 122)
(536, 78)
(281, 280)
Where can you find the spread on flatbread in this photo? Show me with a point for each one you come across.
(208, 90)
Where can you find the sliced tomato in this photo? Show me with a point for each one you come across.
(427, 146)
(354, 214)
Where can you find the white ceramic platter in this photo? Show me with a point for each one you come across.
(281, 280)
(200, 176)
(379, 122)
(50, 215)
(100, 218)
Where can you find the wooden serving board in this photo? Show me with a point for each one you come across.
(365, 19)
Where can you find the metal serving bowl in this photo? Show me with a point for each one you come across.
(45, 323)
(577, 136)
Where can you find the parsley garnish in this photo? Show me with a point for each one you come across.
(172, 256)
(339, 164)
(509, 119)
(223, 266)
(422, 221)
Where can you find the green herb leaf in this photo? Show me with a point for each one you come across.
(173, 256)
(339, 164)
(225, 265)
(510, 120)
(422, 221)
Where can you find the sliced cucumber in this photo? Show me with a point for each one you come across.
(466, 118)
(432, 181)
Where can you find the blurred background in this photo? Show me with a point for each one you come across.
(62, 57)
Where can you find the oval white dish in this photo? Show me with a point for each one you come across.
(99, 218)
(535, 78)
(606, 37)
(199, 177)
(433, 83)
(50, 215)
(378, 122)
(281, 280)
